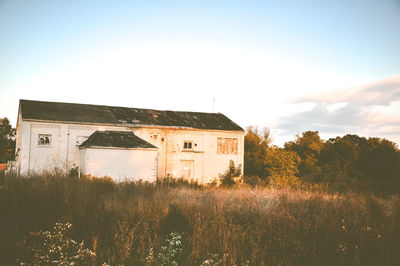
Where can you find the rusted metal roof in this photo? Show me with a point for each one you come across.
(87, 113)
(115, 139)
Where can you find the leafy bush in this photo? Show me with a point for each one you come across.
(282, 167)
(231, 175)
(55, 248)
(178, 182)
(168, 255)
(253, 181)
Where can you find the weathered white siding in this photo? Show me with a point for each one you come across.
(120, 164)
(207, 163)
(63, 151)
(172, 158)
(44, 156)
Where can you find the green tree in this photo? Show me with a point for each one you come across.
(340, 157)
(352, 156)
(7, 140)
(380, 159)
(228, 178)
(308, 146)
(282, 167)
(256, 144)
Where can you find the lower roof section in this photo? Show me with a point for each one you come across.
(116, 139)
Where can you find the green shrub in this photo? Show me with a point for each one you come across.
(55, 247)
(168, 254)
(231, 175)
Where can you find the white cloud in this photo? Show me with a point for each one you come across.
(381, 92)
(369, 110)
(336, 106)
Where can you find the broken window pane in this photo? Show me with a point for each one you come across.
(44, 139)
(227, 145)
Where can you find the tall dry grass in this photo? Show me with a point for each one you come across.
(260, 226)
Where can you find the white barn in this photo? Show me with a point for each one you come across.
(125, 143)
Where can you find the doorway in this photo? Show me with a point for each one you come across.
(187, 169)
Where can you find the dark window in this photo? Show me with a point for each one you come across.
(187, 145)
(44, 139)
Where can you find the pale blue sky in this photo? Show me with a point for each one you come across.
(257, 58)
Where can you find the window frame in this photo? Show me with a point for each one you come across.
(188, 142)
(49, 137)
(227, 146)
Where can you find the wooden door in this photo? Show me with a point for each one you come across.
(187, 169)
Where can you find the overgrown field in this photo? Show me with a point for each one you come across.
(123, 224)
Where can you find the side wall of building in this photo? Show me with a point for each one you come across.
(62, 150)
(120, 164)
(201, 162)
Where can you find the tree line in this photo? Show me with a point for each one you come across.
(310, 159)
(7, 140)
